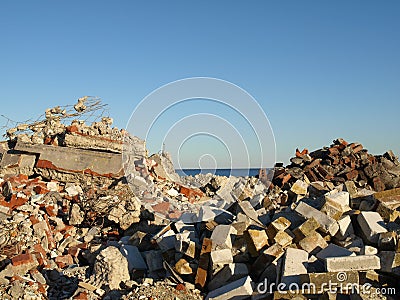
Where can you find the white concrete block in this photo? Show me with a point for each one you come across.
(372, 225)
(222, 237)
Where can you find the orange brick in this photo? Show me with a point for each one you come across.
(74, 251)
(22, 259)
(51, 210)
(64, 261)
(81, 296)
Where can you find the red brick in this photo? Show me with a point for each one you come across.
(22, 259)
(14, 202)
(286, 178)
(74, 251)
(190, 193)
(175, 214)
(161, 207)
(40, 255)
(64, 261)
(334, 150)
(72, 129)
(302, 153)
(180, 287)
(352, 175)
(81, 296)
(82, 246)
(42, 288)
(357, 149)
(34, 220)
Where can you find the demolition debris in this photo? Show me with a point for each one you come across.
(86, 213)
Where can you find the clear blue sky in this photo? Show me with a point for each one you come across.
(319, 69)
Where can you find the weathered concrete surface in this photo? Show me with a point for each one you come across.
(111, 268)
(239, 289)
(79, 161)
(164, 169)
(295, 263)
(81, 141)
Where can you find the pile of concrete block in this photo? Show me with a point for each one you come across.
(75, 222)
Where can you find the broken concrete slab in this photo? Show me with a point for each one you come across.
(294, 264)
(79, 161)
(223, 236)
(111, 268)
(82, 141)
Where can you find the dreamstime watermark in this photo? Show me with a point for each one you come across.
(213, 112)
(339, 283)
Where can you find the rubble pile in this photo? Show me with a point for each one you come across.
(85, 213)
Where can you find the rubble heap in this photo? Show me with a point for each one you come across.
(74, 225)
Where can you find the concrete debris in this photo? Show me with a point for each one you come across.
(111, 268)
(85, 213)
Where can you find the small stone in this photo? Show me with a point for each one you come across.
(305, 229)
(183, 267)
(372, 225)
(172, 192)
(280, 224)
(284, 238)
(73, 190)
